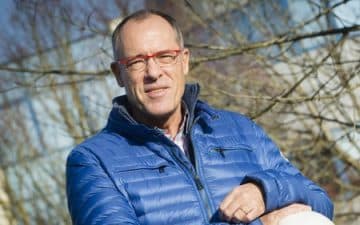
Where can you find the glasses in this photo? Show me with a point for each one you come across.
(162, 59)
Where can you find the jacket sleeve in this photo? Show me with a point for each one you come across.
(281, 182)
(92, 196)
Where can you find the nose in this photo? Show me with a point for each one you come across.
(153, 71)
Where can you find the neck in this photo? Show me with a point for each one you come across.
(170, 123)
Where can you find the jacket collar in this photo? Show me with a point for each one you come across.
(121, 120)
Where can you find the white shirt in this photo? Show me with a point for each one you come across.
(180, 138)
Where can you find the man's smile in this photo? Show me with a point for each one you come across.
(155, 92)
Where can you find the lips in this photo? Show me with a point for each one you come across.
(155, 92)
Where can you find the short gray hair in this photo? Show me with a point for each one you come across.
(141, 15)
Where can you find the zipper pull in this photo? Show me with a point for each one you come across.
(199, 185)
(161, 169)
(221, 151)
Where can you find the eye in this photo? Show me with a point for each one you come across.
(166, 57)
(135, 63)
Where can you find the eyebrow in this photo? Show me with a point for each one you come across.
(133, 57)
(138, 55)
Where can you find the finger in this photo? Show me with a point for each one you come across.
(228, 199)
(248, 210)
(230, 210)
(225, 206)
(252, 214)
(240, 216)
(251, 198)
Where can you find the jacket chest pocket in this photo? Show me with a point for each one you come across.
(141, 179)
(148, 185)
(140, 172)
(237, 153)
(229, 165)
(239, 159)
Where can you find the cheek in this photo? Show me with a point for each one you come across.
(180, 77)
(179, 81)
(176, 74)
(133, 86)
(133, 82)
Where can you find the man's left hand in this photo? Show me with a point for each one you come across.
(243, 204)
(274, 217)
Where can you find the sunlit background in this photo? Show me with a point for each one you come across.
(291, 65)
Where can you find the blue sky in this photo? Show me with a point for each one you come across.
(349, 14)
(6, 6)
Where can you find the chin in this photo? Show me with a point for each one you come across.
(160, 111)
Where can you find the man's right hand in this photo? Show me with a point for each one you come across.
(243, 204)
(274, 217)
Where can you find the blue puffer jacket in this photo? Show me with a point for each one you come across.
(132, 174)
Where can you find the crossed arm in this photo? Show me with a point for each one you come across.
(245, 203)
(274, 193)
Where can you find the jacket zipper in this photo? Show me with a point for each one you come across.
(203, 196)
(200, 186)
(195, 177)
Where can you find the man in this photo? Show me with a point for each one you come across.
(167, 158)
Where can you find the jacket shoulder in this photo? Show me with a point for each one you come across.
(232, 127)
(225, 115)
(101, 146)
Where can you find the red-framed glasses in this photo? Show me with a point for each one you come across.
(162, 58)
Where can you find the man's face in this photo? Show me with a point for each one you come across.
(156, 91)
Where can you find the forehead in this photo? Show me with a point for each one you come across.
(147, 35)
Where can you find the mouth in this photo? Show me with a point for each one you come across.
(156, 92)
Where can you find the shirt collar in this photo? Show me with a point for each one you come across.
(183, 123)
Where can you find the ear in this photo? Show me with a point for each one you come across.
(186, 60)
(116, 70)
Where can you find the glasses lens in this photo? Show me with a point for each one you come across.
(163, 58)
(166, 58)
(136, 64)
